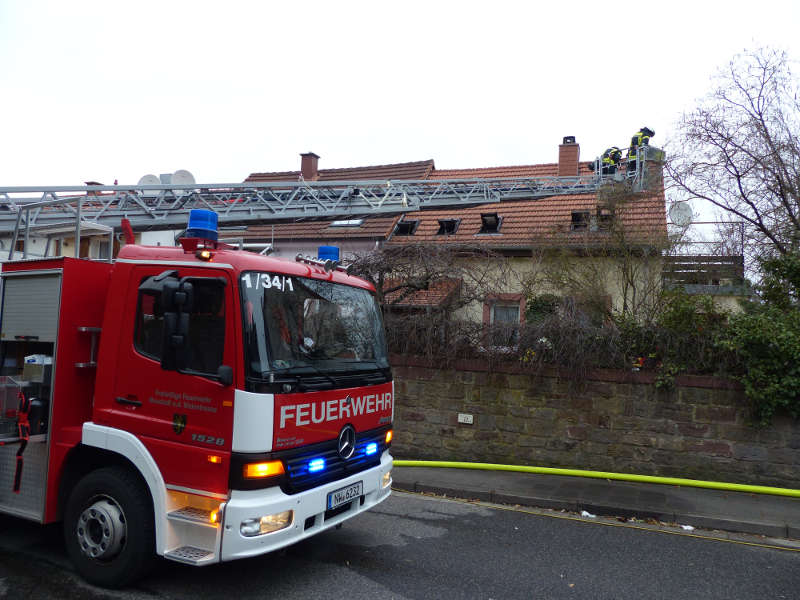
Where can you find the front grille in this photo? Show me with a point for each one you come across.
(299, 478)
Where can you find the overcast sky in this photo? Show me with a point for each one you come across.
(114, 90)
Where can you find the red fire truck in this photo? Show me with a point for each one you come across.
(198, 402)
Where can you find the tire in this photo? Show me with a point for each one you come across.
(108, 527)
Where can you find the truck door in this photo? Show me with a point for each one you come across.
(183, 412)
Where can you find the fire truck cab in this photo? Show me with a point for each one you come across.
(200, 403)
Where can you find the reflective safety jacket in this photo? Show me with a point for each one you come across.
(640, 138)
(612, 156)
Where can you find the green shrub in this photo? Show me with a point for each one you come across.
(680, 340)
(764, 346)
(688, 328)
(538, 308)
(763, 343)
(780, 286)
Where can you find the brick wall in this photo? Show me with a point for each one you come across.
(614, 421)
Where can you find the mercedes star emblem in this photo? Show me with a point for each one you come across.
(347, 442)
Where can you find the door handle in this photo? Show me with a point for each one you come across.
(129, 401)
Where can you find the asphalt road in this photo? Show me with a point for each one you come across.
(420, 547)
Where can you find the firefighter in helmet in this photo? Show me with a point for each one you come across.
(610, 160)
(640, 138)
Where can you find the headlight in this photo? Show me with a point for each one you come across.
(267, 524)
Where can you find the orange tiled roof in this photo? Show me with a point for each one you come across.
(542, 221)
(526, 223)
(410, 170)
(378, 227)
(545, 170)
(438, 293)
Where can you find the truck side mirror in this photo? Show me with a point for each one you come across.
(169, 287)
(177, 296)
(174, 346)
(184, 297)
(225, 375)
(177, 299)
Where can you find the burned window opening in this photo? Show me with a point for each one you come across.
(406, 227)
(580, 220)
(490, 223)
(448, 226)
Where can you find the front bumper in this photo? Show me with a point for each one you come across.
(309, 511)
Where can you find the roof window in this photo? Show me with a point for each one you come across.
(348, 223)
(448, 226)
(406, 227)
(490, 223)
(580, 220)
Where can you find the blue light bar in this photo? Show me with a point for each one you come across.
(202, 224)
(371, 448)
(318, 464)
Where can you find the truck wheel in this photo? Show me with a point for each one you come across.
(108, 527)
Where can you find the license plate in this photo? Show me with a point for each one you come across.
(345, 494)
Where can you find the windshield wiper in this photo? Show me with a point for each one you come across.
(316, 370)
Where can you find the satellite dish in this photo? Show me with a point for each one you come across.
(183, 177)
(149, 180)
(681, 214)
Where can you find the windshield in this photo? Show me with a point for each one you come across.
(295, 322)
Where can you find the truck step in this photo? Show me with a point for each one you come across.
(192, 515)
(190, 555)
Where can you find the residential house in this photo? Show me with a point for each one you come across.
(534, 234)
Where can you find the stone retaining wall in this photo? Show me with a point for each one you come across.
(614, 421)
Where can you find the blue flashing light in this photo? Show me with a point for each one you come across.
(316, 465)
(202, 224)
(328, 253)
(371, 448)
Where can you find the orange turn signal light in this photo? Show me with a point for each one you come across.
(203, 254)
(389, 436)
(260, 470)
(217, 460)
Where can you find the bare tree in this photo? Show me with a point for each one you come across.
(739, 150)
(397, 272)
(612, 256)
(452, 278)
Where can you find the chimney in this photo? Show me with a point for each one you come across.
(308, 166)
(569, 153)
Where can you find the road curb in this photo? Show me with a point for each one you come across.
(775, 531)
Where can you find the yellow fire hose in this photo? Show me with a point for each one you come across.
(712, 485)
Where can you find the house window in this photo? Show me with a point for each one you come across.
(448, 226)
(580, 220)
(505, 314)
(505, 324)
(103, 249)
(406, 227)
(490, 223)
(502, 315)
